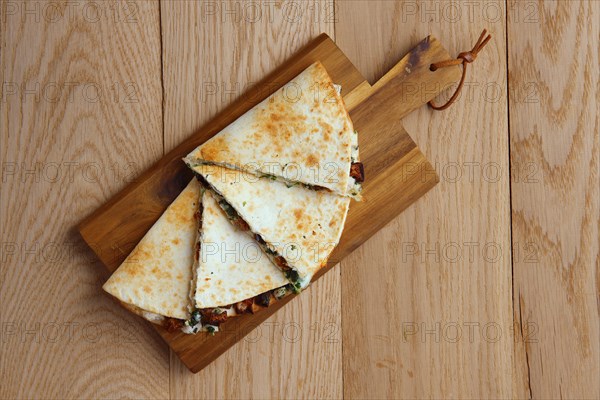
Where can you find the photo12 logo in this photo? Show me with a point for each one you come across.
(70, 92)
(470, 11)
(452, 252)
(287, 332)
(68, 172)
(467, 331)
(470, 252)
(251, 12)
(255, 92)
(67, 332)
(69, 11)
(289, 173)
(251, 252)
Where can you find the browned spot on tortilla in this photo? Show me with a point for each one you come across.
(178, 214)
(176, 241)
(327, 130)
(312, 160)
(135, 261)
(164, 249)
(142, 253)
(298, 212)
(158, 273)
(278, 122)
(211, 149)
(210, 210)
(147, 289)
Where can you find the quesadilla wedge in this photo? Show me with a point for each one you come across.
(297, 228)
(154, 280)
(301, 134)
(231, 274)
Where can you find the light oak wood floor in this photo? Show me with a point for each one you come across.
(487, 287)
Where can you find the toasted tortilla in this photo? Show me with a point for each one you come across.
(154, 280)
(301, 225)
(231, 266)
(301, 133)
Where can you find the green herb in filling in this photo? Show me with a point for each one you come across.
(269, 176)
(312, 187)
(195, 318)
(294, 279)
(218, 311)
(231, 213)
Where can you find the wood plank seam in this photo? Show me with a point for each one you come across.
(516, 367)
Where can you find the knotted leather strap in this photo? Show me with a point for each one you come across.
(463, 58)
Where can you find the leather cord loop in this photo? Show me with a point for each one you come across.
(463, 58)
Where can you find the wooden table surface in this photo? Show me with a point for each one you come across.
(485, 288)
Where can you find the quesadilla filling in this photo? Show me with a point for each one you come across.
(209, 319)
(354, 183)
(357, 172)
(170, 324)
(147, 315)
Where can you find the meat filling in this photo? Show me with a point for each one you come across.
(357, 172)
(216, 316)
(264, 299)
(213, 316)
(244, 306)
(173, 324)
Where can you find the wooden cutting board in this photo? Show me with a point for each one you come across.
(396, 171)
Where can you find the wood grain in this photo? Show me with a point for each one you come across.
(302, 342)
(412, 293)
(553, 86)
(554, 128)
(80, 115)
